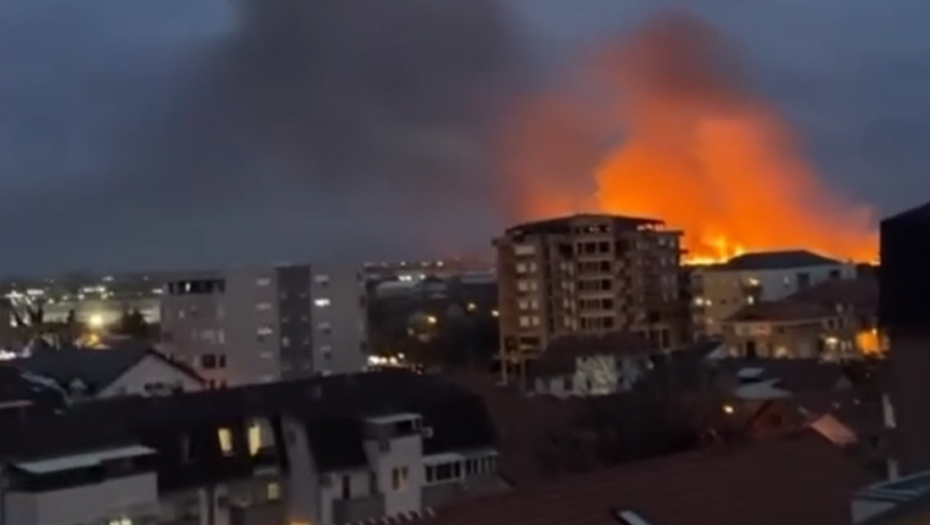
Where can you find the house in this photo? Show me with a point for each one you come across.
(21, 391)
(720, 290)
(855, 302)
(330, 451)
(793, 376)
(787, 329)
(124, 369)
(590, 365)
(799, 478)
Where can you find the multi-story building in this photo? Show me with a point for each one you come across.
(834, 319)
(720, 290)
(327, 451)
(904, 316)
(587, 274)
(262, 324)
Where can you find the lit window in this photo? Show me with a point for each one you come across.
(274, 491)
(321, 302)
(120, 521)
(255, 438)
(226, 442)
(285, 342)
(263, 307)
(263, 281)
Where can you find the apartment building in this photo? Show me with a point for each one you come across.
(328, 451)
(719, 290)
(904, 316)
(587, 274)
(261, 324)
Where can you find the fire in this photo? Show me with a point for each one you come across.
(704, 153)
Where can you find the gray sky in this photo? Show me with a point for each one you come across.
(165, 133)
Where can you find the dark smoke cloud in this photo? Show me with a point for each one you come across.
(362, 127)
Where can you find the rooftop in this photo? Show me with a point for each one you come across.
(560, 225)
(784, 311)
(561, 354)
(777, 260)
(802, 478)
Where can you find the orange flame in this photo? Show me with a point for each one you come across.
(703, 153)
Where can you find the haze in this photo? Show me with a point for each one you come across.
(171, 133)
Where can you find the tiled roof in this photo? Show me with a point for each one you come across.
(560, 355)
(780, 311)
(778, 260)
(860, 293)
(799, 479)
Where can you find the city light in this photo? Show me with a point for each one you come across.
(95, 321)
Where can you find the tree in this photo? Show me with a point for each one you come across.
(132, 323)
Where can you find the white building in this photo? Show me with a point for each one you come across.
(720, 290)
(261, 324)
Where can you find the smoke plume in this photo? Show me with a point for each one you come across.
(700, 150)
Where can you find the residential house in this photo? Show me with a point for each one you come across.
(787, 329)
(591, 365)
(855, 302)
(328, 451)
(130, 368)
(799, 478)
(901, 501)
(21, 391)
(719, 290)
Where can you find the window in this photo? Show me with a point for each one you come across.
(346, 488)
(399, 479)
(324, 327)
(285, 341)
(263, 281)
(321, 279)
(220, 337)
(263, 332)
(226, 441)
(326, 351)
(321, 302)
(273, 491)
(255, 438)
(263, 307)
(120, 521)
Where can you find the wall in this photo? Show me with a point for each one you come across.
(148, 371)
(343, 347)
(252, 339)
(721, 292)
(304, 499)
(406, 452)
(133, 496)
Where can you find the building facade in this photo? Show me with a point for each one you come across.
(719, 290)
(904, 317)
(327, 451)
(263, 324)
(587, 274)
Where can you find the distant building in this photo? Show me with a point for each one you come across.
(263, 324)
(720, 290)
(590, 365)
(904, 314)
(587, 274)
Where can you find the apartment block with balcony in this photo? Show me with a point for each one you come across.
(262, 324)
(719, 290)
(587, 274)
(328, 451)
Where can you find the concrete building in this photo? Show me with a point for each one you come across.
(262, 324)
(904, 316)
(719, 290)
(587, 274)
(327, 451)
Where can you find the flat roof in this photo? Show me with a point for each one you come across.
(77, 461)
(393, 418)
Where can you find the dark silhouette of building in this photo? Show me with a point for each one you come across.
(904, 311)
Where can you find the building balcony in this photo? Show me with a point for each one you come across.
(358, 509)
